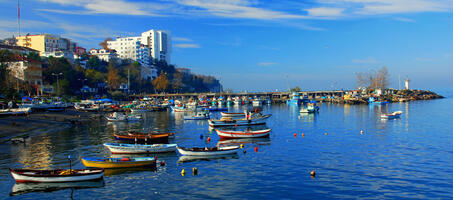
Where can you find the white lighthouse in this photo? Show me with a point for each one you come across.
(406, 84)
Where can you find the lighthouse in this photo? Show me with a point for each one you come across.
(406, 84)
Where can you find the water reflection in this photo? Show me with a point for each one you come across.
(118, 171)
(36, 154)
(23, 188)
(184, 159)
(307, 117)
(237, 142)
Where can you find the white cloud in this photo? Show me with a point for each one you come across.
(185, 46)
(403, 19)
(366, 60)
(265, 64)
(182, 39)
(325, 12)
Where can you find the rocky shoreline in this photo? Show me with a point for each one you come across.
(395, 96)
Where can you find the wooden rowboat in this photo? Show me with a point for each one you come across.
(223, 134)
(142, 138)
(119, 148)
(118, 162)
(230, 114)
(213, 151)
(392, 115)
(57, 176)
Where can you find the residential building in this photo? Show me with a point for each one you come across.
(148, 72)
(17, 49)
(184, 71)
(26, 70)
(80, 50)
(157, 42)
(104, 54)
(48, 45)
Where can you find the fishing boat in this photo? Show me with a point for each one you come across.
(197, 116)
(294, 99)
(119, 148)
(205, 151)
(224, 134)
(118, 162)
(232, 114)
(57, 175)
(257, 102)
(23, 188)
(392, 115)
(254, 119)
(144, 138)
(311, 108)
(120, 117)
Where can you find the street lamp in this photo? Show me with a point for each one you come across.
(83, 81)
(58, 85)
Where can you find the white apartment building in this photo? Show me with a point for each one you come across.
(157, 41)
(103, 54)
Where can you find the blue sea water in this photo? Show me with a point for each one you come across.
(405, 158)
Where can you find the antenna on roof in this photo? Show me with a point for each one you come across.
(18, 16)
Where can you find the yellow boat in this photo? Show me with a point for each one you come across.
(118, 162)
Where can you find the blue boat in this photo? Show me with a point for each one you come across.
(295, 99)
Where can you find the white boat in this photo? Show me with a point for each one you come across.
(212, 151)
(227, 134)
(311, 108)
(237, 101)
(15, 111)
(392, 115)
(120, 148)
(257, 102)
(254, 119)
(119, 117)
(197, 116)
(59, 175)
(229, 114)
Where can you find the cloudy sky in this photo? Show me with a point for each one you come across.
(267, 45)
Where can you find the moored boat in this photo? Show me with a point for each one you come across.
(119, 148)
(205, 151)
(118, 162)
(57, 175)
(231, 114)
(254, 119)
(151, 138)
(392, 115)
(224, 134)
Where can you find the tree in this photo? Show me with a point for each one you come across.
(177, 83)
(373, 80)
(161, 82)
(113, 78)
(104, 44)
(296, 89)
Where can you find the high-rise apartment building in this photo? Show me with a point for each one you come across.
(46, 43)
(155, 42)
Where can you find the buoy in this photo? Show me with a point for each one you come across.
(194, 171)
(313, 173)
(209, 139)
(256, 149)
(162, 163)
(236, 125)
(242, 146)
(201, 136)
(245, 151)
(183, 172)
(361, 132)
(295, 134)
(303, 135)
(325, 133)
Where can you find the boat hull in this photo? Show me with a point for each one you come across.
(140, 149)
(118, 164)
(224, 151)
(242, 134)
(56, 178)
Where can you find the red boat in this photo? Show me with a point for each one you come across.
(223, 134)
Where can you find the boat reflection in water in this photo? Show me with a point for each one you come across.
(236, 142)
(117, 171)
(183, 159)
(23, 188)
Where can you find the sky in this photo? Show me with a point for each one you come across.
(267, 45)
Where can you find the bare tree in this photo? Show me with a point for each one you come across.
(373, 80)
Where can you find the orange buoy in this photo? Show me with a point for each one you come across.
(361, 132)
(256, 149)
(209, 139)
(295, 134)
(162, 163)
(313, 173)
(303, 135)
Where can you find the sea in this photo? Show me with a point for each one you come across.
(353, 152)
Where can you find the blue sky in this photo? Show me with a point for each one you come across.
(259, 45)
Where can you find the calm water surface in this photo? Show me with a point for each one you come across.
(410, 157)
